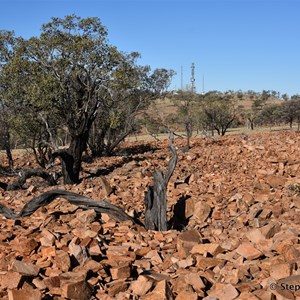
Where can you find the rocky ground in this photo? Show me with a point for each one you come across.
(234, 217)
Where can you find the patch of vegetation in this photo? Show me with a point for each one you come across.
(295, 187)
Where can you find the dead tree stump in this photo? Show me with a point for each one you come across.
(156, 197)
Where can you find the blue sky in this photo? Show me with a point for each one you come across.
(235, 44)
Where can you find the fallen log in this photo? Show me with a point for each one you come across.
(100, 206)
(24, 174)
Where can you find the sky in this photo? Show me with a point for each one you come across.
(234, 44)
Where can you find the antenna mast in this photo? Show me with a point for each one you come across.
(193, 78)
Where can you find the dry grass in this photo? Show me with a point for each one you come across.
(239, 130)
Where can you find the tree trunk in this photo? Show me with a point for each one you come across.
(212, 126)
(251, 121)
(67, 162)
(73, 158)
(188, 130)
(97, 144)
(77, 146)
(8, 150)
(156, 197)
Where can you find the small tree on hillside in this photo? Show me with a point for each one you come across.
(218, 111)
(185, 102)
(271, 114)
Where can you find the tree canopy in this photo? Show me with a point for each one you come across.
(68, 77)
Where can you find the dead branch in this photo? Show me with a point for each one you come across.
(100, 206)
(24, 175)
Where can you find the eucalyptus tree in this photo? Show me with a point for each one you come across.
(271, 114)
(71, 73)
(294, 102)
(290, 111)
(8, 43)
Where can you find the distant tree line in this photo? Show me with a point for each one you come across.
(215, 112)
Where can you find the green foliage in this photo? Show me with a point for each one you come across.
(69, 77)
(271, 115)
(218, 111)
(153, 125)
(295, 187)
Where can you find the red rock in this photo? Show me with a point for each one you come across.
(204, 263)
(248, 251)
(141, 286)
(106, 186)
(25, 268)
(223, 292)
(195, 281)
(86, 216)
(48, 252)
(189, 208)
(94, 248)
(33, 294)
(117, 286)
(31, 190)
(161, 291)
(263, 295)
(276, 181)
(53, 284)
(247, 296)
(24, 245)
(75, 287)
(184, 295)
(255, 235)
(179, 284)
(202, 211)
(154, 256)
(270, 230)
(117, 252)
(186, 241)
(79, 252)
(212, 249)
(279, 271)
(39, 284)
(185, 263)
(120, 272)
(11, 280)
(63, 261)
(262, 196)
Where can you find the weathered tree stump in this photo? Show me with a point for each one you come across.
(156, 197)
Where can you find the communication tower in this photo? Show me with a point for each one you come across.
(193, 89)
